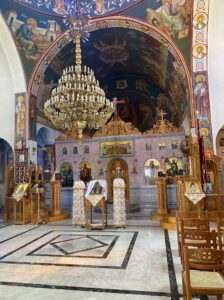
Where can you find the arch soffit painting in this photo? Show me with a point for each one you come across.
(115, 22)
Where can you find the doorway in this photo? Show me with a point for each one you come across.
(117, 167)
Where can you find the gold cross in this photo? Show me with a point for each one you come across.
(161, 114)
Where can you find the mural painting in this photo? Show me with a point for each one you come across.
(116, 148)
(94, 8)
(20, 120)
(201, 90)
(32, 32)
(170, 16)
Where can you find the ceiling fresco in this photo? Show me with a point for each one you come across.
(171, 16)
(93, 8)
(129, 65)
(35, 24)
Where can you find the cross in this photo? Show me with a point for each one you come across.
(115, 103)
(161, 114)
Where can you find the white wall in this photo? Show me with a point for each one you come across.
(12, 80)
(216, 65)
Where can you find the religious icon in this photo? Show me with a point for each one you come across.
(204, 132)
(97, 189)
(20, 117)
(151, 168)
(199, 51)
(66, 174)
(21, 158)
(201, 95)
(116, 148)
(193, 187)
(200, 21)
(85, 172)
(174, 166)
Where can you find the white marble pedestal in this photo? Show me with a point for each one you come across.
(119, 209)
(78, 215)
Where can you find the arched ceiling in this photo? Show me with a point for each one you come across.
(170, 16)
(130, 65)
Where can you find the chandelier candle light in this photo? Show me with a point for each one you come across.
(78, 101)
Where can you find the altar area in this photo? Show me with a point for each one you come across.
(119, 145)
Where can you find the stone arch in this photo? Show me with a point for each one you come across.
(220, 142)
(116, 22)
(12, 81)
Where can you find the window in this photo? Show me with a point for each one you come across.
(64, 151)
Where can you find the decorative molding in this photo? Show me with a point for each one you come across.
(72, 135)
(162, 125)
(117, 127)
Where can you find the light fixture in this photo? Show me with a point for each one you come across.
(78, 102)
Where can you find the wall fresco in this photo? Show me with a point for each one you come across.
(199, 54)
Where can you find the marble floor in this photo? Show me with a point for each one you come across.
(57, 261)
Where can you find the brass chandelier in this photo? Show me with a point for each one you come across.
(78, 102)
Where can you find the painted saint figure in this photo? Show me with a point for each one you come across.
(200, 51)
(200, 19)
(151, 170)
(24, 34)
(201, 96)
(20, 117)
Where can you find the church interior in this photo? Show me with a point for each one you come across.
(111, 149)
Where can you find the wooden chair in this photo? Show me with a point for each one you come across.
(190, 224)
(218, 218)
(199, 239)
(220, 230)
(179, 216)
(202, 272)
